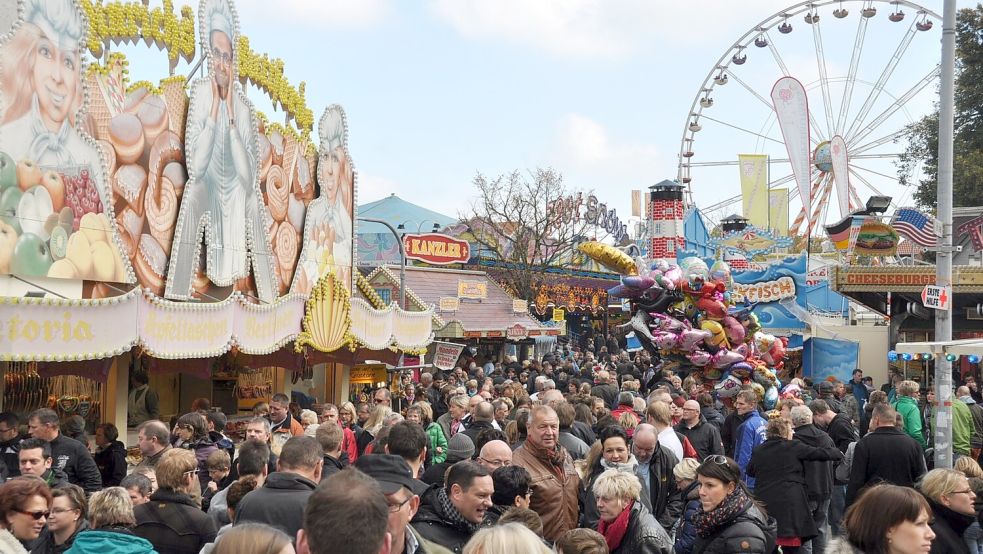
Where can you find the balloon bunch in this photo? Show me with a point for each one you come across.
(685, 312)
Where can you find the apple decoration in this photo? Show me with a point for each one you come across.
(28, 174)
(31, 256)
(8, 240)
(52, 181)
(8, 171)
(33, 211)
(9, 200)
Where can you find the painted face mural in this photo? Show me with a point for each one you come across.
(54, 201)
(222, 200)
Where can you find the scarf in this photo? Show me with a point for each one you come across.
(47, 143)
(554, 457)
(708, 523)
(630, 467)
(614, 532)
(452, 516)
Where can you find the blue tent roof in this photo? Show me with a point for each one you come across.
(395, 210)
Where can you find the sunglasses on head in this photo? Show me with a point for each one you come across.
(36, 515)
(716, 459)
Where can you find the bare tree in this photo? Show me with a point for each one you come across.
(520, 223)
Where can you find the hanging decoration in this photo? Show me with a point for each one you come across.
(326, 323)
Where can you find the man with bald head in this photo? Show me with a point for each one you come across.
(555, 483)
(495, 454)
(482, 416)
(704, 437)
(605, 390)
(655, 465)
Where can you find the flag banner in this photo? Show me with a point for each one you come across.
(916, 225)
(788, 96)
(754, 187)
(778, 211)
(841, 173)
(839, 233)
(636, 203)
(856, 223)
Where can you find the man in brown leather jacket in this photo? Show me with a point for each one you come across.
(555, 482)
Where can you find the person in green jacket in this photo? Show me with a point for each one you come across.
(962, 426)
(907, 406)
(110, 521)
(422, 413)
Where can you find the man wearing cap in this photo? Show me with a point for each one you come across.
(827, 393)
(396, 480)
(460, 447)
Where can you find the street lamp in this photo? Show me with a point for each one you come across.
(402, 257)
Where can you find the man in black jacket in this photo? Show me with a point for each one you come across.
(9, 445)
(481, 418)
(842, 432)
(452, 512)
(281, 501)
(330, 437)
(818, 475)
(704, 437)
(68, 455)
(171, 521)
(886, 454)
(655, 465)
(604, 389)
(35, 459)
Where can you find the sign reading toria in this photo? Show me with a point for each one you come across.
(436, 249)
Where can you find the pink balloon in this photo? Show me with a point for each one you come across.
(699, 358)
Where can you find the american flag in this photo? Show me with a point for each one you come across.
(918, 227)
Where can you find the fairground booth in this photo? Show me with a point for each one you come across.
(170, 230)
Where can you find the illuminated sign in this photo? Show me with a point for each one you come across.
(436, 249)
(573, 209)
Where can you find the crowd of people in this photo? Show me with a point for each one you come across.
(580, 452)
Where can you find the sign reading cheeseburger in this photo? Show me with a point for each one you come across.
(436, 249)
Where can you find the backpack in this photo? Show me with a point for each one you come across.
(841, 470)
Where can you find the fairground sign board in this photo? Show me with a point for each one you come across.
(436, 249)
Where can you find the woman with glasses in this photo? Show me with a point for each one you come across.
(628, 526)
(24, 505)
(110, 522)
(951, 499)
(67, 519)
(728, 519)
(612, 451)
(777, 465)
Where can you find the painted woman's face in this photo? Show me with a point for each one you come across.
(56, 82)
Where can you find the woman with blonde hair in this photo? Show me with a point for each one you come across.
(438, 442)
(254, 538)
(689, 490)
(307, 418)
(626, 524)
(951, 500)
(907, 406)
(974, 535)
(510, 538)
(375, 423)
(110, 522)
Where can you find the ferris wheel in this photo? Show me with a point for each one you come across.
(868, 68)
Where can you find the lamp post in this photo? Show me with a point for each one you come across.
(943, 259)
(402, 257)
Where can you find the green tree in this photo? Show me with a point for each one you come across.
(922, 136)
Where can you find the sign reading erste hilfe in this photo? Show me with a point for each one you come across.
(937, 298)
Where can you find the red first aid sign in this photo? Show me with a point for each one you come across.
(937, 298)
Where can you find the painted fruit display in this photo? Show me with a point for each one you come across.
(8, 171)
(31, 256)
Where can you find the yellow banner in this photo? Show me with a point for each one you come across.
(778, 211)
(754, 187)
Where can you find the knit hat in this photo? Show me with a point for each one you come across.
(460, 447)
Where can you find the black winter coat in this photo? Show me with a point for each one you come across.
(749, 532)
(72, 457)
(728, 432)
(705, 438)
(818, 475)
(666, 505)
(476, 427)
(433, 524)
(589, 515)
(713, 416)
(886, 454)
(111, 462)
(644, 535)
(777, 465)
(685, 531)
(173, 523)
(949, 527)
(46, 541)
(280, 502)
(842, 432)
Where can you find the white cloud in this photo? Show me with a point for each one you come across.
(315, 13)
(374, 187)
(599, 29)
(587, 144)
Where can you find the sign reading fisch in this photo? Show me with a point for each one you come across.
(766, 291)
(436, 249)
